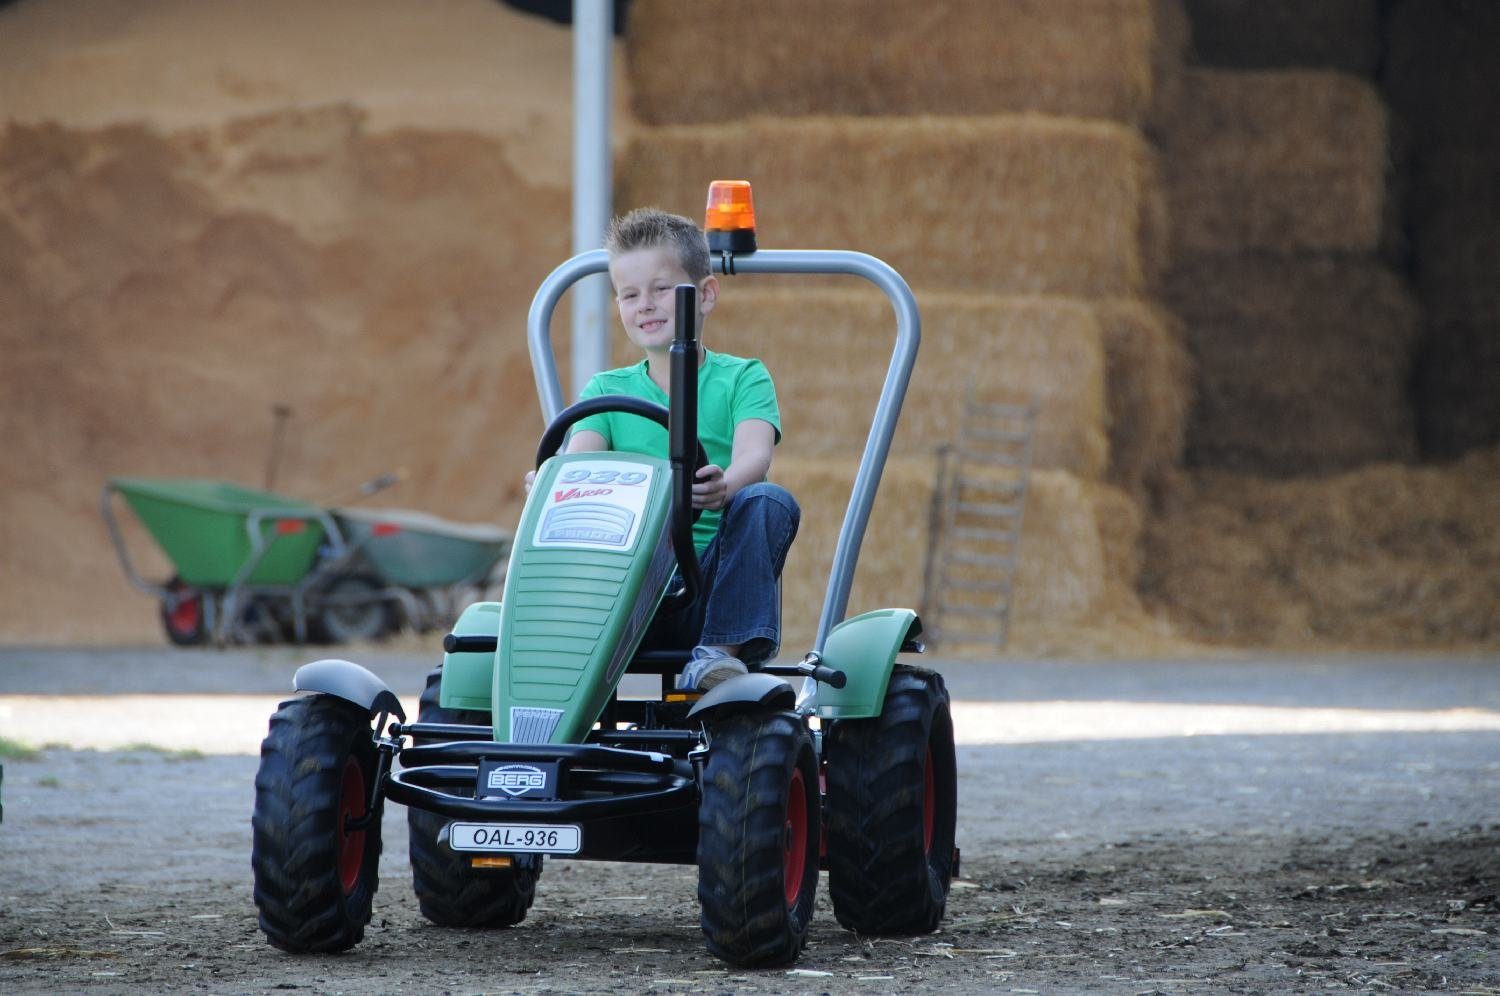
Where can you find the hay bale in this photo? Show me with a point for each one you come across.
(892, 558)
(1387, 557)
(1010, 204)
(1457, 388)
(1302, 362)
(1120, 519)
(827, 350)
(1062, 573)
(1088, 58)
(1063, 564)
(1149, 387)
(1441, 74)
(1278, 161)
(1279, 34)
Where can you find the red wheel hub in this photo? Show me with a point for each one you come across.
(929, 804)
(186, 615)
(352, 803)
(794, 857)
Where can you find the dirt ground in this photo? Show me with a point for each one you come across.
(1230, 826)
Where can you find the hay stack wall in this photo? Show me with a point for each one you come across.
(1021, 198)
(1286, 190)
(1303, 362)
(1389, 555)
(248, 238)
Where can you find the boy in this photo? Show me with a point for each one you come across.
(748, 523)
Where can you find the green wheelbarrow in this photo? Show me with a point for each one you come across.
(255, 566)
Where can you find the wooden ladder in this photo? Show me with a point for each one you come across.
(975, 525)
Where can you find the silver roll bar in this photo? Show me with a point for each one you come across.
(887, 409)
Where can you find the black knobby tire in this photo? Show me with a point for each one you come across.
(352, 612)
(892, 808)
(185, 623)
(758, 833)
(449, 892)
(314, 877)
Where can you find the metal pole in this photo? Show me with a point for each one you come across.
(593, 35)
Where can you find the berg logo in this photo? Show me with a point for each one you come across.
(517, 779)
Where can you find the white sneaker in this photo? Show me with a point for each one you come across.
(709, 666)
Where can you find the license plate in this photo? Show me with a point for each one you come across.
(528, 838)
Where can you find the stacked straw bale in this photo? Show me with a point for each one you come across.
(1276, 34)
(1276, 161)
(1302, 362)
(1383, 557)
(1441, 71)
(1086, 58)
(1025, 205)
(1149, 379)
(1065, 555)
(827, 350)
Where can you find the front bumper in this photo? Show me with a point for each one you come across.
(632, 804)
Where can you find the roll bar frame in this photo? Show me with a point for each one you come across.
(887, 408)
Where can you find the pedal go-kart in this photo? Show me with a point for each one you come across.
(521, 748)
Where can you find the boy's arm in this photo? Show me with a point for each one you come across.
(585, 441)
(754, 439)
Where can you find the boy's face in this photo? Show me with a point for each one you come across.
(645, 282)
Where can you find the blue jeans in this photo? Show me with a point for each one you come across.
(740, 603)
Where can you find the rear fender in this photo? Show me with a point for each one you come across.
(865, 649)
(746, 693)
(469, 676)
(350, 682)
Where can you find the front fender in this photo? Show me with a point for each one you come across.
(865, 649)
(469, 676)
(350, 682)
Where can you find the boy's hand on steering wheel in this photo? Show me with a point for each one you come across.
(709, 490)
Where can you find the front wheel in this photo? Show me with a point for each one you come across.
(450, 892)
(316, 841)
(892, 809)
(758, 833)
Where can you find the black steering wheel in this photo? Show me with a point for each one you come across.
(552, 439)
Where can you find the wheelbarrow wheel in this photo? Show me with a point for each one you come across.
(758, 839)
(352, 611)
(315, 854)
(449, 892)
(892, 810)
(183, 618)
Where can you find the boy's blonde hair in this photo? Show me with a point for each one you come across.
(649, 227)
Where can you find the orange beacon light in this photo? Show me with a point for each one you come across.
(730, 218)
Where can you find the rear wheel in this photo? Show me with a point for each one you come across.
(892, 809)
(182, 615)
(353, 611)
(315, 853)
(450, 892)
(758, 839)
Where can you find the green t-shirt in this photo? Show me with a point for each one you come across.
(730, 390)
